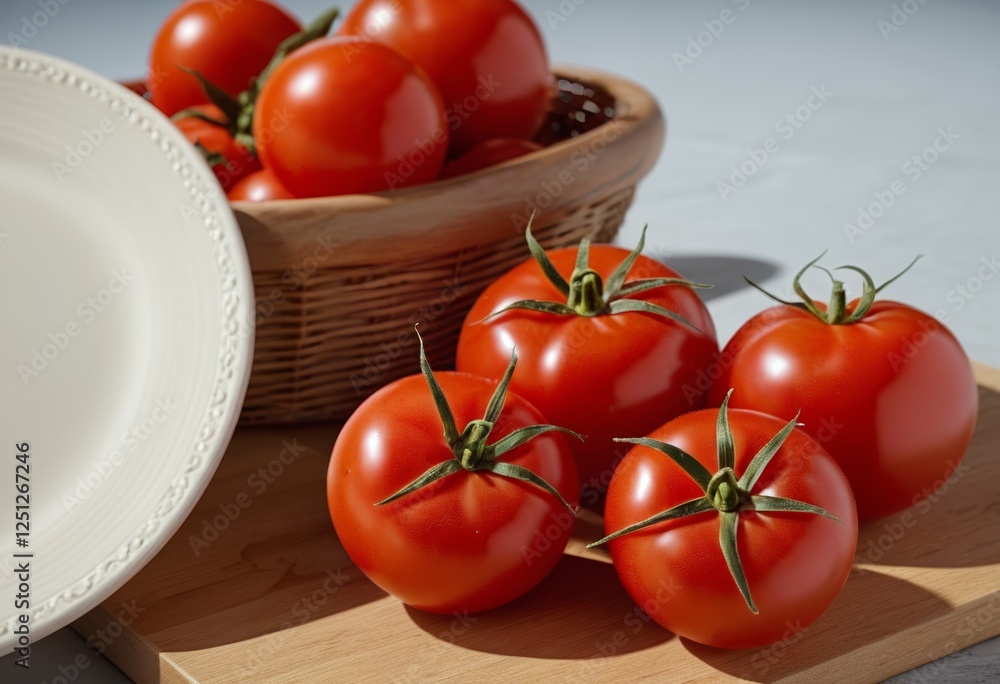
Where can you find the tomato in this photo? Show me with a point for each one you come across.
(595, 371)
(749, 554)
(478, 536)
(891, 395)
(486, 57)
(340, 116)
(259, 187)
(487, 154)
(235, 162)
(228, 42)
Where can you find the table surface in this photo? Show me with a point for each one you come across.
(785, 128)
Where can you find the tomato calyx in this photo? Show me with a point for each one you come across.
(470, 450)
(239, 110)
(836, 312)
(586, 293)
(724, 493)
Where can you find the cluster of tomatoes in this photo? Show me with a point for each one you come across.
(732, 515)
(405, 92)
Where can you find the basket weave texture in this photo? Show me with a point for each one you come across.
(340, 282)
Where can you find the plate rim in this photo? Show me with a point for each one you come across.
(234, 349)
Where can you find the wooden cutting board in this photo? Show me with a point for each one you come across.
(255, 588)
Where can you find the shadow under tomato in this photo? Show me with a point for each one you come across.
(956, 525)
(724, 273)
(586, 611)
(871, 607)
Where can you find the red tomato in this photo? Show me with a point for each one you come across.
(228, 42)
(892, 396)
(486, 57)
(470, 541)
(239, 161)
(340, 116)
(602, 375)
(793, 564)
(487, 154)
(259, 187)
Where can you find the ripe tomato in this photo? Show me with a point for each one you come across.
(228, 42)
(891, 395)
(749, 552)
(487, 154)
(340, 116)
(597, 364)
(486, 57)
(259, 187)
(231, 161)
(478, 536)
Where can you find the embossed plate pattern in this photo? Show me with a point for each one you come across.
(127, 335)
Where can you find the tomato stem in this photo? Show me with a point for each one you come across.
(239, 111)
(836, 312)
(587, 295)
(470, 450)
(723, 492)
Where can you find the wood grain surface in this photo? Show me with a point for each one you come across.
(256, 588)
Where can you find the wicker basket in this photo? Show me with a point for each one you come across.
(341, 281)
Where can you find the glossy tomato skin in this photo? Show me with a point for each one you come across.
(795, 563)
(260, 186)
(469, 542)
(892, 397)
(605, 376)
(240, 161)
(487, 154)
(229, 43)
(486, 57)
(341, 116)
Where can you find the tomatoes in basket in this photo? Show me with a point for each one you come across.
(886, 388)
(486, 57)
(342, 116)
(440, 489)
(613, 343)
(487, 154)
(230, 160)
(731, 527)
(229, 43)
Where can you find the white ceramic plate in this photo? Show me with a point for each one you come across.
(127, 333)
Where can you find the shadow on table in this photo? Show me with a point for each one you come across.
(872, 606)
(724, 273)
(956, 526)
(587, 616)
